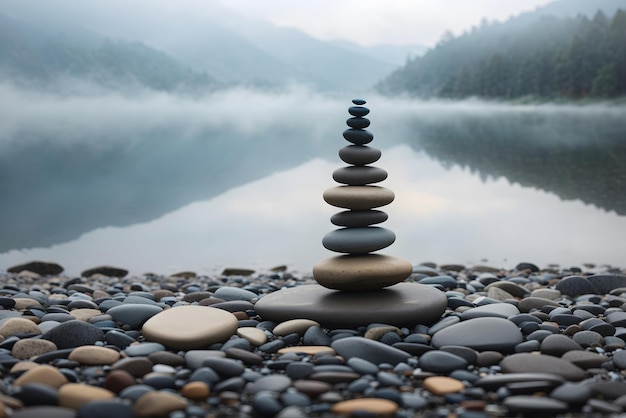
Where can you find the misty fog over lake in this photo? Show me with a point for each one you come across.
(167, 182)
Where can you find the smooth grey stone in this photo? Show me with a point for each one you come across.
(617, 319)
(118, 339)
(603, 406)
(527, 346)
(565, 319)
(466, 353)
(44, 411)
(497, 310)
(389, 379)
(265, 404)
(604, 329)
(33, 394)
(229, 293)
(134, 315)
(413, 401)
(272, 346)
(609, 390)
(604, 283)
(359, 175)
(299, 370)
(370, 350)
(585, 359)
(443, 323)
(206, 375)
(360, 385)
(272, 383)
(139, 300)
(587, 338)
(359, 154)
(194, 358)
(464, 375)
(358, 240)
(572, 393)
(619, 359)
(403, 304)
(591, 308)
(481, 334)
(74, 334)
(358, 218)
(358, 111)
(558, 344)
(58, 317)
(448, 282)
(224, 367)
(143, 349)
(358, 136)
(535, 404)
(527, 304)
(441, 362)
(575, 285)
(159, 381)
(362, 366)
(495, 381)
(294, 399)
(234, 305)
(519, 319)
(315, 336)
(541, 363)
(539, 335)
(105, 409)
(415, 349)
(509, 287)
(358, 122)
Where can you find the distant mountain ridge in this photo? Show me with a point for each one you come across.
(568, 49)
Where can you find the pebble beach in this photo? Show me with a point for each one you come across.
(527, 341)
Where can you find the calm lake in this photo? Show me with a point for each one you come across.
(160, 183)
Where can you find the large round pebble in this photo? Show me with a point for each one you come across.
(481, 334)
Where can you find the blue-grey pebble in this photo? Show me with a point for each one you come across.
(358, 136)
(206, 375)
(362, 366)
(299, 370)
(497, 310)
(359, 154)
(441, 362)
(314, 335)
(265, 404)
(224, 367)
(358, 240)
(572, 393)
(359, 175)
(143, 349)
(234, 293)
(558, 344)
(272, 383)
(74, 334)
(481, 334)
(105, 409)
(134, 315)
(370, 350)
(535, 404)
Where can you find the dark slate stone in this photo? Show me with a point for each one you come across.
(74, 334)
(265, 404)
(358, 136)
(370, 350)
(535, 404)
(234, 305)
(118, 338)
(358, 111)
(359, 175)
(575, 285)
(358, 218)
(359, 154)
(358, 102)
(133, 315)
(447, 282)
(44, 268)
(605, 407)
(617, 319)
(467, 353)
(527, 346)
(224, 367)
(619, 359)
(527, 304)
(607, 282)
(609, 390)
(414, 349)
(362, 366)
(358, 123)
(206, 375)
(299, 370)
(441, 362)
(496, 381)
(53, 355)
(481, 334)
(527, 266)
(403, 304)
(272, 383)
(565, 319)
(558, 344)
(44, 411)
(496, 310)
(105, 271)
(541, 363)
(315, 336)
(35, 394)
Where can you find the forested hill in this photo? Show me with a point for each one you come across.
(549, 57)
(56, 58)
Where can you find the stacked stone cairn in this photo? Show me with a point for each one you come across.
(359, 268)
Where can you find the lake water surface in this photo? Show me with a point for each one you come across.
(474, 183)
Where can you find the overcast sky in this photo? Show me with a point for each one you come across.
(371, 22)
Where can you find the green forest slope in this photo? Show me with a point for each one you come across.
(550, 57)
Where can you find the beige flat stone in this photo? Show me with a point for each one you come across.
(43, 374)
(361, 272)
(85, 314)
(442, 385)
(75, 395)
(308, 349)
(14, 326)
(23, 366)
(24, 303)
(31, 347)
(254, 335)
(375, 406)
(358, 197)
(158, 404)
(94, 355)
(189, 327)
(297, 326)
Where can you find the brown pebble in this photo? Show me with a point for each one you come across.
(474, 405)
(43, 374)
(442, 385)
(167, 358)
(197, 391)
(376, 333)
(31, 347)
(158, 404)
(229, 398)
(75, 395)
(94, 355)
(118, 380)
(14, 326)
(136, 366)
(375, 406)
(313, 388)
(308, 349)
(241, 316)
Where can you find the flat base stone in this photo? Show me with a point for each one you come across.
(403, 304)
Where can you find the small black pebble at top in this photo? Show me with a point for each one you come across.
(359, 101)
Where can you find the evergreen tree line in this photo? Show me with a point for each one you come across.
(549, 57)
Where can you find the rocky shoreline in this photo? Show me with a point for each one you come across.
(525, 341)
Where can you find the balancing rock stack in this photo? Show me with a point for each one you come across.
(359, 268)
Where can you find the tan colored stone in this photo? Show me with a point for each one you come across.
(31, 347)
(94, 355)
(197, 391)
(189, 327)
(308, 349)
(43, 374)
(158, 404)
(14, 326)
(22, 366)
(375, 406)
(376, 333)
(256, 336)
(358, 197)
(442, 385)
(297, 326)
(11, 402)
(361, 272)
(75, 395)
(499, 294)
(24, 303)
(85, 314)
